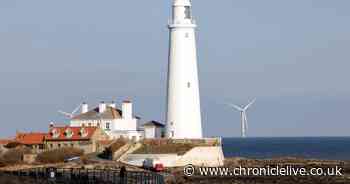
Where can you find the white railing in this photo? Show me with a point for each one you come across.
(187, 21)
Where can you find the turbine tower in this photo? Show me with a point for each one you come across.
(183, 118)
(244, 121)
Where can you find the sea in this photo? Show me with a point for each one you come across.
(325, 148)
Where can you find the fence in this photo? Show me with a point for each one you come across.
(88, 176)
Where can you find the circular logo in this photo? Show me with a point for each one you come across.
(189, 170)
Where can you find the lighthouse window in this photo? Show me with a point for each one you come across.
(188, 12)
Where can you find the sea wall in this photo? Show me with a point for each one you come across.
(168, 160)
(203, 156)
(199, 156)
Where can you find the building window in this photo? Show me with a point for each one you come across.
(172, 133)
(189, 85)
(71, 145)
(51, 145)
(187, 35)
(108, 126)
(89, 124)
(69, 133)
(171, 123)
(59, 145)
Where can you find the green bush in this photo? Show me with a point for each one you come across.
(58, 155)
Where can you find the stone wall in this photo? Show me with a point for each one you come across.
(29, 158)
(86, 146)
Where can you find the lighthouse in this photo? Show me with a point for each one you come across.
(183, 116)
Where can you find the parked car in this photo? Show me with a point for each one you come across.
(72, 159)
(153, 164)
(159, 167)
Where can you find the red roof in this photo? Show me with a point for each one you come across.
(5, 141)
(70, 133)
(30, 138)
(105, 142)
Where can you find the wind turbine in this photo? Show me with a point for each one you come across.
(243, 111)
(71, 115)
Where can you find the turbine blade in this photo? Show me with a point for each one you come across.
(65, 113)
(76, 109)
(235, 106)
(251, 103)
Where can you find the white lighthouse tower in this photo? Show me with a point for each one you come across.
(183, 103)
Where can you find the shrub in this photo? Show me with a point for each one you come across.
(13, 145)
(58, 155)
(14, 156)
(2, 163)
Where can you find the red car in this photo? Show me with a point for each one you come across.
(153, 164)
(159, 168)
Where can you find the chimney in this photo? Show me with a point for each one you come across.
(102, 107)
(112, 104)
(127, 110)
(84, 108)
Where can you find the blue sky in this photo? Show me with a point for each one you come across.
(293, 56)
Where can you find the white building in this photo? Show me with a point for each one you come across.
(153, 130)
(115, 122)
(183, 103)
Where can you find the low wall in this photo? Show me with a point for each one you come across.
(199, 156)
(203, 156)
(29, 158)
(169, 160)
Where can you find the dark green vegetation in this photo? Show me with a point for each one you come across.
(170, 146)
(177, 148)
